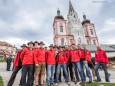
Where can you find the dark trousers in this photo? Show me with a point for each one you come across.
(13, 76)
(70, 70)
(8, 66)
(27, 71)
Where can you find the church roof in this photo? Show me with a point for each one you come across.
(58, 15)
(107, 48)
(71, 9)
(85, 20)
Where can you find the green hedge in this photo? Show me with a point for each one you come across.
(1, 81)
(2, 60)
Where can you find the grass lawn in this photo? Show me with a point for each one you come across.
(100, 84)
(1, 81)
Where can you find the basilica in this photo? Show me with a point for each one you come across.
(73, 30)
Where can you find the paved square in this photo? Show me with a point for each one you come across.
(6, 75)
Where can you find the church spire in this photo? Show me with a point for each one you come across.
(71, 9)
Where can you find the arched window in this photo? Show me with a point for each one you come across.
(94, 42)
(62, 41)
(91, 31)
(79, 40)
(61, 28)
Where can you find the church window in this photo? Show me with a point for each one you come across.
(79, 40)
(61, 28)
(94, 42)
(74, 16)
(78, 32)
(88, 42)
(62, 41)
(91, 30)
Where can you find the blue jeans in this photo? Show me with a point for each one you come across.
(50, 74)
(77, 65)
(83, 63)
(105, 70)
(63, 65)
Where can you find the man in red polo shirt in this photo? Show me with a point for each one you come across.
(69, 63)
(39, 56)
(89, 61)
(101, 59)
(50, 60)
(75, 59)
(61, 60)
(27, 58)
(17, 66)
(84, 62)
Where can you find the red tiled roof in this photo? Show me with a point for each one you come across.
(3, 43)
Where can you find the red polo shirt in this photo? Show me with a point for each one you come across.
(50, 57)
(27, 56)
(39, 55)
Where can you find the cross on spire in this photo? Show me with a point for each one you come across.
(84, 16)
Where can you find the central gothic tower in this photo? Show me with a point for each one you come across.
(74, 26)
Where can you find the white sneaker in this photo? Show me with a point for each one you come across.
(68, 83)
(56, 84)
(94, 78)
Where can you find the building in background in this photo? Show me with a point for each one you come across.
(73, 30)
(90, 31)
(7, 50)
(60, 28)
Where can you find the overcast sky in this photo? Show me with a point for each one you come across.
(25, 20)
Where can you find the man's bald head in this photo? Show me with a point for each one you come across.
(98, 47)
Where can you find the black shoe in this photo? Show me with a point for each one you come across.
(76, 82)
(60, 81)
(97, 80)
(8, 70)
(83, 83)
(73, 79)
(52, 84)
(90, 80)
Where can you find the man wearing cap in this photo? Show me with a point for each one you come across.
(84, 62)
(27, 58)
(75, 59)
(17, 66)
(36, 45)
(50, 60)
(61, 60)
(39, 56)
(101, 59)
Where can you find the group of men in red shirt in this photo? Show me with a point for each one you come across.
(36, 61)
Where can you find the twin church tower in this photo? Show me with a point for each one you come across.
(73, 30)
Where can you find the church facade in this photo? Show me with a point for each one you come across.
(72, 30)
